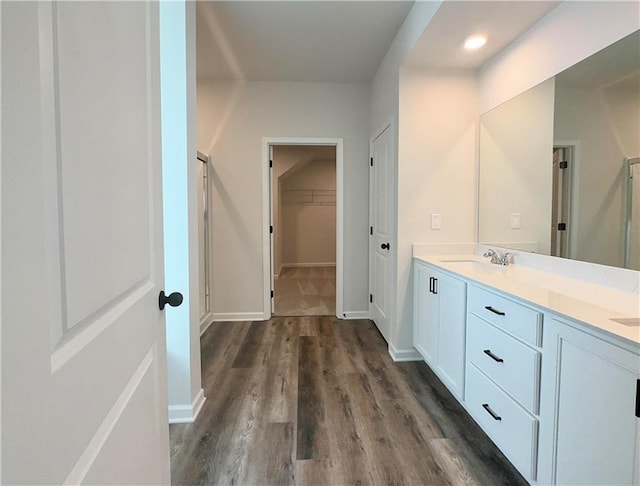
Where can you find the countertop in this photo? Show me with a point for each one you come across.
(589, 303)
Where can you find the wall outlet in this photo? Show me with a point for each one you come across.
(435, 221)
(515, 220)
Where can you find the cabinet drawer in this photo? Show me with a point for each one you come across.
(513, 430)
(513, 317)
(512, 365)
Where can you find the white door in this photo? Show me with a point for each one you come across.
(380, 249)
(84, 396)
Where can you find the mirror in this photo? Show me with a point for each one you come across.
(555, 162)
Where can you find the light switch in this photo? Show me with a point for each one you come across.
(435, 221)
(515, 220)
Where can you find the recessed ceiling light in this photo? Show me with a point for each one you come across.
(475, 41)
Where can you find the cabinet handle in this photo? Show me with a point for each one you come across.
(491, 412)
(435, 285)
(638, 398)
(431, 285)
(493, 356)
(491, 309)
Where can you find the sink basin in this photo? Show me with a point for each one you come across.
(627, 321)
(473, 265)
(459, 260)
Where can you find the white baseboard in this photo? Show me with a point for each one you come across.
(205, 322)
(404, 354)
(356, 315)
(296, 265)
(239, 316)
(183, 414)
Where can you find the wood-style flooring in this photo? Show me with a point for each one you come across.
(305, 291)
(315, 400)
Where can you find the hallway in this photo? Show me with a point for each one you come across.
(314, 400)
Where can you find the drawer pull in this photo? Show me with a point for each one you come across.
(491, 412)
(493, 356)
(491, 309)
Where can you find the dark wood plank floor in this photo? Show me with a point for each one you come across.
(315, 400)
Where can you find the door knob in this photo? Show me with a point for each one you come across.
(385, 246)
(174, 299)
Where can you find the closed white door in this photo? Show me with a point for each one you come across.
(84, 396)
(380, 249)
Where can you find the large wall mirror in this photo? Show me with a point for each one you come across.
(557, 163)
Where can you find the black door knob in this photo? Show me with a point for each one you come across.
(174, 299)
(385, 246)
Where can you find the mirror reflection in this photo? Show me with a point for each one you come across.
(557, 163)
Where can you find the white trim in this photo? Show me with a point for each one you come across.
(399, 355)
(267, 142)
(356, 315)
(205, 322)
(239, 316)
(186, 414)
(301, 265)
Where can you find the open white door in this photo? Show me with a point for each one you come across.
(84, 396)
(381, 274)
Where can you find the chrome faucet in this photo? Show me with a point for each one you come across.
(498, 259)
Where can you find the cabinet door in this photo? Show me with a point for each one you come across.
(452, 295)
(425, 315)
(597, 432)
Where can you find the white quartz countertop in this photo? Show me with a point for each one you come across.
(592, 304)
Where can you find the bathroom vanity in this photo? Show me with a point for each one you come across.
(546, 364)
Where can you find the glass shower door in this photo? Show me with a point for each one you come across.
(632, 243)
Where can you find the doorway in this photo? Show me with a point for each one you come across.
(303, 214)
(304, 230)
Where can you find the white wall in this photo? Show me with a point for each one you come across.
(600, 121)
(180, 206)
(309, 229)
(385, 84)
(284, 158)
(385, 106)
(568, 34)
(438, 113)
(232, 120)
(516, 143)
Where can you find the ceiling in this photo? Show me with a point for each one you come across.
(322, 41)
(345, 41)
(441, 44)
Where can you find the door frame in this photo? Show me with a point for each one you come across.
(267, 217)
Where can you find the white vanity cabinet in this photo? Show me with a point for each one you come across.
(503, 374)
(590, 399)
(550, 378)
(439, 324)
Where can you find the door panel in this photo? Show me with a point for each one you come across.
(84, 354)
(381, 258)
(102, 235)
